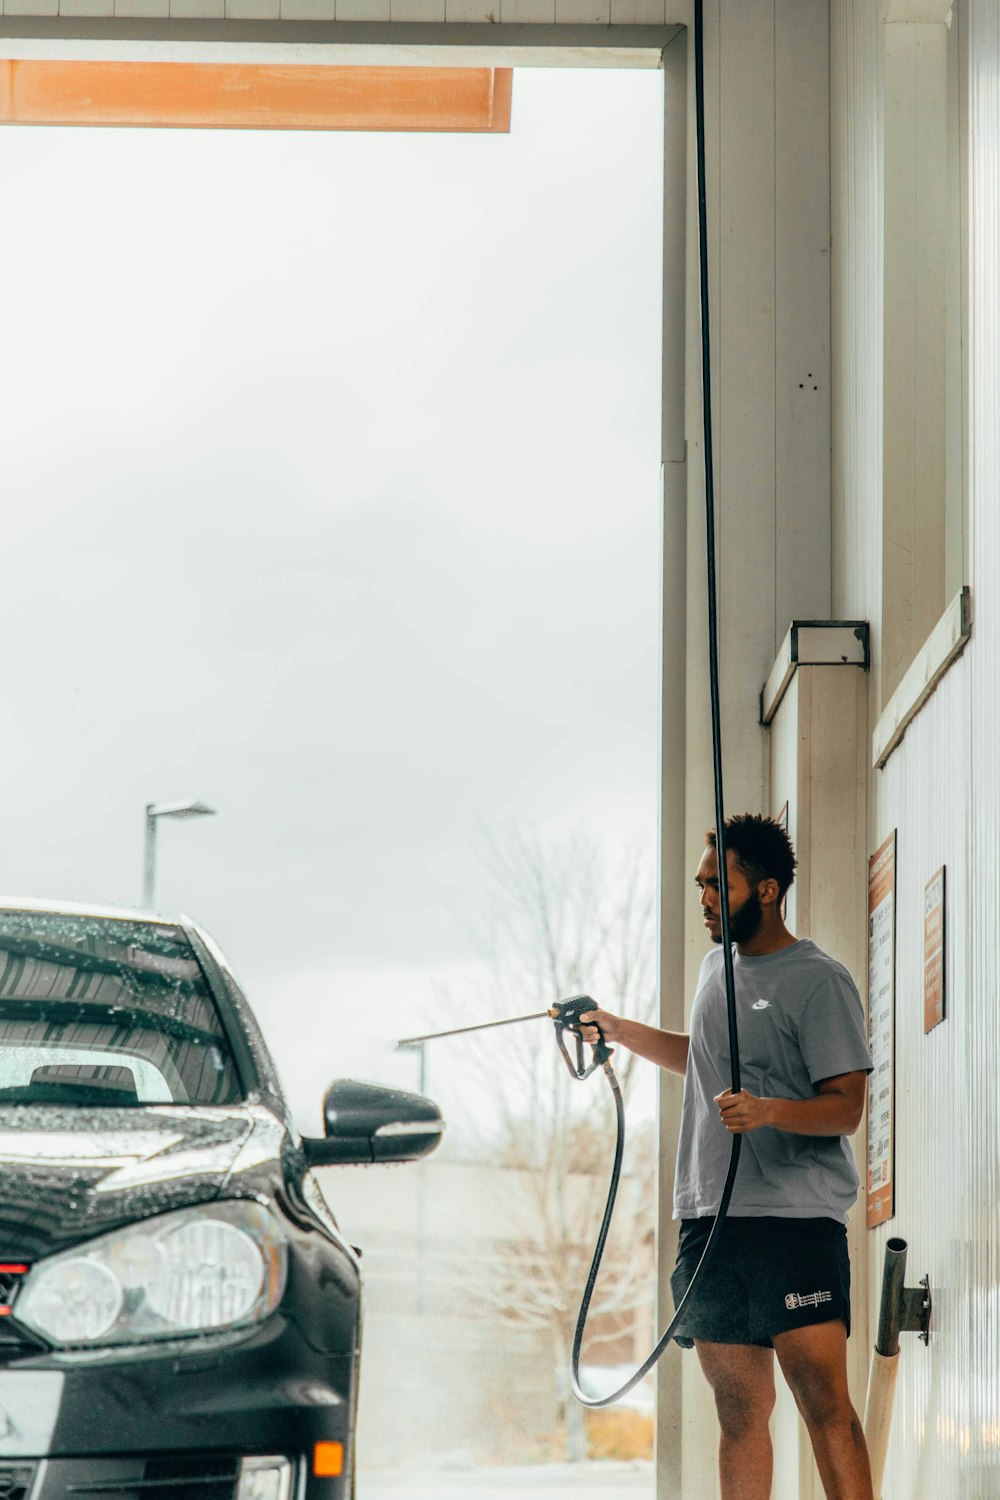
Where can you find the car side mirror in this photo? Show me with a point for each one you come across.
(367, 1123)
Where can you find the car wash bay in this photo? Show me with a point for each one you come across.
(795, 172)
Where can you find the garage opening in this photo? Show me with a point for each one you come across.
(334, 458)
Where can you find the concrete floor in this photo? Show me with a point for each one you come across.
(609, 1481)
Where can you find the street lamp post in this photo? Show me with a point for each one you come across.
(156, 810)
(421, 1187)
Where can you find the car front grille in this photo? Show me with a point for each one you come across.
(16, 1481)
(12, 1273)
(12, 1338)
(201, 1477)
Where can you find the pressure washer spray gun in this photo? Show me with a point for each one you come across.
(566, 1016)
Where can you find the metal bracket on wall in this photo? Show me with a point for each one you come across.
(902, 1309)
(813, 643)
(917, 1304)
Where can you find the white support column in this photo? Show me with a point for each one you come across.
(670, 1425)
(819, 746)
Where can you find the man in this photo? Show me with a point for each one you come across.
(779, 1279)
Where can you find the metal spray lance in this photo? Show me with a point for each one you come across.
(566, 1016)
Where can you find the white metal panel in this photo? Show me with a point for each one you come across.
(916, 205)
(362, 10)
(639, 12)
(416, 10)
(939, 789)
(856, 36)
(925, 795)
(198, 10)
(31, 7)
(744, 374)
(583, 12)
(802, 312)
(979, 1141)
(251, 10)
(539, 12)
(383, 46)
(301, 10)
(470, 10)
(915, 11)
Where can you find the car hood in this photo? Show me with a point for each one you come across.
(68, 1175)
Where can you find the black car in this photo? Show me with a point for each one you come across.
(179, 1311)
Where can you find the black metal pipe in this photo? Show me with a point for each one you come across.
(892, 1307)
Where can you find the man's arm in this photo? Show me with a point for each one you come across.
(836, 1108)
(668, 1049)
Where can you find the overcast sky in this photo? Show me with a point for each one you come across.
(331, 476)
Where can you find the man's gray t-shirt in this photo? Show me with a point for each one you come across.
(799, 1020)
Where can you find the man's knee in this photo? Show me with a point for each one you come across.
(741, 1411)
(821, 1397)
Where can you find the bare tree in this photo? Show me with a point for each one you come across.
(561, 921)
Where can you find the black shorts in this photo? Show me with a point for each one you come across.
(766, 1276)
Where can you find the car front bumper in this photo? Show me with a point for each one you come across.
(215, 1476)
(177, 1423)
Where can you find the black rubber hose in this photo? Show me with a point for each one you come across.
(720, 816)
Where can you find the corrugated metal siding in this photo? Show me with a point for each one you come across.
(982, 1115)
(939, 789)
(923, 793)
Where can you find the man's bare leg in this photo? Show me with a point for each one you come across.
(742, 1381)
(814, 1362)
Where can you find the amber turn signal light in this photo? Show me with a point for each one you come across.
(328, 1460)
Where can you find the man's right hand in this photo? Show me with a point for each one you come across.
(668, 1049)
(609, 1024)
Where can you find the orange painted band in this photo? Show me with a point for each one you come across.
(253, 96)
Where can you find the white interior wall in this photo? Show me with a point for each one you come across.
(939, 787)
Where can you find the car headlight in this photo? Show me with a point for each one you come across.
(203, 1269)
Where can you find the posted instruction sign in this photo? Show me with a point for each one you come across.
(934, 951)
(881, 1030)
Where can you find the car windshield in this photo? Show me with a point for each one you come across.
(98, 1011)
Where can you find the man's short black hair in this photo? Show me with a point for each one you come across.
(762, 848)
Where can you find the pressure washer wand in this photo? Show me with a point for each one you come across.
(566, 1015)
(433, 1036)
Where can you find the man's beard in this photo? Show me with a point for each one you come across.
(743, 924)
